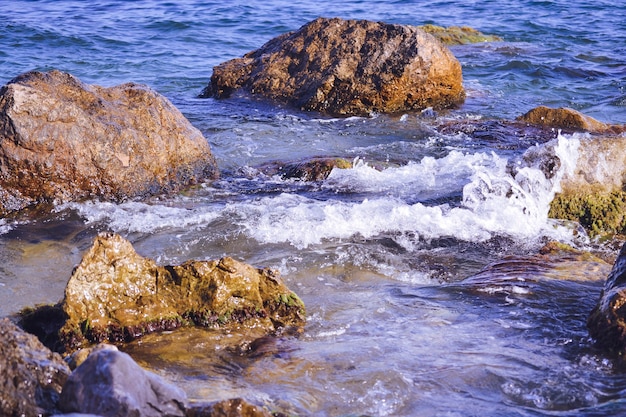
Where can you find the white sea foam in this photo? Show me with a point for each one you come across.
(4, 227)
(496, 200)
(142, 217)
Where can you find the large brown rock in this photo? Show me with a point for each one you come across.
(63, 140)
(31, 376)
(116, 295)
(607, 321)
(347, 67)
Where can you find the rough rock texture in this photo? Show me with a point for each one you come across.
(31, 376)
(63, 140)
(110, 384)
(607, 321)
(566, 118)
(116, 295)
(347, 67)
(235, 407)
(458, 35)
(593, 193)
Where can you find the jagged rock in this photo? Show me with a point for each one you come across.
(63, 140)
(607, 321)
(116, 295)
(31, 376)
(458, 35)
(347, 67)
(566, 118)
(109, 383)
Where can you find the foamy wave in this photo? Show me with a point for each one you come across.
(141, 217)
(4, 227)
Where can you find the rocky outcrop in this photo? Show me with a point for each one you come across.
(566, 118)
(116, 295)
(458, 35)
(347, 67)
(592, 194)
(31, 376)
(607, 321)
(110, 383)
(63, 140)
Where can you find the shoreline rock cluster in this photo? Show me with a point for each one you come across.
(62, 140)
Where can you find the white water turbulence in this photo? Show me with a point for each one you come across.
(467, 196)
(495, 201)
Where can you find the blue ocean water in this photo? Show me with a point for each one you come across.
(389, 255)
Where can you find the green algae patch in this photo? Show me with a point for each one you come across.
(598, 213)
(116, 296)
(458, 35)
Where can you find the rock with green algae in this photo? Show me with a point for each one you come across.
(592, 192)
(458, 35)
(116, 295)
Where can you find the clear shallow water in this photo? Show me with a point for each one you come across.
(388, 261)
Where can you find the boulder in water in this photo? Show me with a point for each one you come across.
(111, 383)
(62, 140)
(563, 118)
(458, 35)
(347, 67)
(116, 295)
(31, 376)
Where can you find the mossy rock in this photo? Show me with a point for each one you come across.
(115, 295)
(458, 35)
(598, 213)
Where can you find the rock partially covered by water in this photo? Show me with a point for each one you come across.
(116, 295)
(110, 383)
(347, 67)
(566, 118)
(458, 35)
(31, 376)
(315, 169)
(607, 321)
(235, 407)
(63, 140)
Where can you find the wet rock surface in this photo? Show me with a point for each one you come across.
(235, 407)
(63, 140)
(607, 321)
(347, 67)
(116, 295)
(110, 383)
(31, 376)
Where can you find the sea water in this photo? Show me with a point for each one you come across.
(418, 265)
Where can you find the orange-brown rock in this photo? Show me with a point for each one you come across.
(347, 67)
(116, 295)
(63, 140)
(566, 118)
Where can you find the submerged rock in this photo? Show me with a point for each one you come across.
(116, 295)
(110, 383)
(31, 376)
(316, 169)
(607, 321)
(235, 407)
(458, 35)
(347, 67)
(63, 140)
